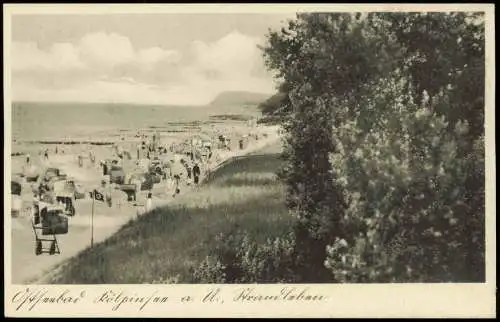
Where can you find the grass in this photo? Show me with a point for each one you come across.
(167, 243)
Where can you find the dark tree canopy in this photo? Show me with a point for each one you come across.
(385, 143)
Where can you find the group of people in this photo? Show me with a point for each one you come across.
(188, 168)
(91, 157)
(175, 172)
(45, 153)
(175, 164)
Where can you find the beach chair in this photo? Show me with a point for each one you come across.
(31, 173)
(47, 222)
(16, 201)
(15, 188)
(64, 192)
(16, 205)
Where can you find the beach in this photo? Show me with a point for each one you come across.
(30, 268)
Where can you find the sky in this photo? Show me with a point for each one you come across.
(179, 59)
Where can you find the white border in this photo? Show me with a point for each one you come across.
(376, 300)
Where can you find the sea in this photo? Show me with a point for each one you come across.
(37, 121)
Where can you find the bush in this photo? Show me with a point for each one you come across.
(210, 270)
(409, 212)
(240, 259)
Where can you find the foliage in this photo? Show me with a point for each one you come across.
(385, 144)
(210, 270)
(238, 258)
(273, 104)
(276, 108)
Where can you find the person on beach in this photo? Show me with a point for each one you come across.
(28, 158)
(187, 166)
(222, 140)
(166, 168)
(177, 179)
(209, 152)
(92, 157)
(104, 168)
(80, 160)
(196, 173)
(46, 154)
(118, 151)
(169, 185)
(176, 173)
(149, 202)
(137, 185)
(108, 188)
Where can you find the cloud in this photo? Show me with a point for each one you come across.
(107, 68)
(154, 55)
(106, 50)
(232, 56)
(97, 50)
(232, 63)
(60, 56)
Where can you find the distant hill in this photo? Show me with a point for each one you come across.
(239, 98)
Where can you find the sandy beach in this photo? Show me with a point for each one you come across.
(30, 268)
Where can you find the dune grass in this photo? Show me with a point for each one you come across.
(166, 244)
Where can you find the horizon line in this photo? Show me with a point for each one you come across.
(21, 101)
(97, 103)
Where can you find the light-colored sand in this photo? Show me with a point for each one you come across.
(29, 268)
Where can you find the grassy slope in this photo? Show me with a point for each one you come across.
(168, 242)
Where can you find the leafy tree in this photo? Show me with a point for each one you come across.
(385, 144)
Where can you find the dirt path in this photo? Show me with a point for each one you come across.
(27, 268)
